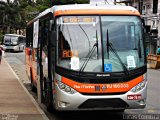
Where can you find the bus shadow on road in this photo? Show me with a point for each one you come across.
(89, 115)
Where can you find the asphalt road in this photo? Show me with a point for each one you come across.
(151, 112)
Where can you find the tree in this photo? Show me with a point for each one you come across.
(12, 16)
(16, 14)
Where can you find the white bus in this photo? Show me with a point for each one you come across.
(14, 42)
(87, 57)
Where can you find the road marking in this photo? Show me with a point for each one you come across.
(31, 97)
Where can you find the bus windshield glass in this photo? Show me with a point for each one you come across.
(89, 43)
(10, 40)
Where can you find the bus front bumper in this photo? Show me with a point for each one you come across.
(77, 101)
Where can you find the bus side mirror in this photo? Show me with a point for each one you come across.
(53, 38)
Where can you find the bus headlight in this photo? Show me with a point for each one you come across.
(66, 88)
(139, 87)
(61, 85)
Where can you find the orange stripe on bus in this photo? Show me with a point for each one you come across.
(102, 88)
(94, 12)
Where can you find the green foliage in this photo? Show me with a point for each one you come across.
(12, 15)
(41, 5)
(18, 13)
(30, 13)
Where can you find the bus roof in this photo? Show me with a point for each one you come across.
(16, 35)
(86, 9)
(92, 6)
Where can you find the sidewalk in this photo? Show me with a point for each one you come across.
(15, 101)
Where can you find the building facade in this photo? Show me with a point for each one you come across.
(150, 10)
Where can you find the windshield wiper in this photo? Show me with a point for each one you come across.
(107, 44)
(110, 46)
(89, 55)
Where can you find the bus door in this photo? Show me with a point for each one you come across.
(45, 64)
(35, 56)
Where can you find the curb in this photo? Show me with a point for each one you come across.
(31, 97)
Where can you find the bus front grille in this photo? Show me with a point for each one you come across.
(104, 103)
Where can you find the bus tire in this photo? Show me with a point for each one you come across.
(33, 88)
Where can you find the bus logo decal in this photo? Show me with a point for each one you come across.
(104, 87)
(97, 88)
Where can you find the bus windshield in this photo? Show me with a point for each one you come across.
(10, 40)
(100, 44)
